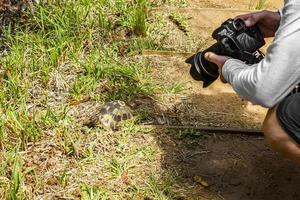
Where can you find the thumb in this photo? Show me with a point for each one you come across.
(248, 19)
(212, 57)
(249, 22)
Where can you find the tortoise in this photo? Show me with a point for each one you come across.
(112, 113)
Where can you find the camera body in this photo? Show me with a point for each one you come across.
(235, 40)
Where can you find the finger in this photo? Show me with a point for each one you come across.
(249, 21)
(244, 16)
(212, 57)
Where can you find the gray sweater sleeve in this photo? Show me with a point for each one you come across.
(269, 81)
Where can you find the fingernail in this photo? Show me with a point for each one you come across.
(206, 55)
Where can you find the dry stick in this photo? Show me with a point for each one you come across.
(253, 132)
(201, 9)
(166, 53)
(244, 131)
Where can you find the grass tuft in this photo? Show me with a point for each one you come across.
(139, 18)
(59, 52)
(257, 4)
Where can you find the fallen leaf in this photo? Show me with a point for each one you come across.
(125, 178)
(201, 181)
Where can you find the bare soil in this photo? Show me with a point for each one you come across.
(217, 105)
(234, 4)
(201, 22)
(234, 166)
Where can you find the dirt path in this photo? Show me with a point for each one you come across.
(236, 4)
(216, 105)
(200, 24)
(234, 166)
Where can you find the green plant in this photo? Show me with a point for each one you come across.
(261, 4)
(180, 20)
(139, 18)
(160, 189)
(63, 178)
(16, 179)
(92, 193)
(177, 88)
(58, 53)
(257, 4)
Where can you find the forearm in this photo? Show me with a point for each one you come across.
(269, 81)
(255, 83)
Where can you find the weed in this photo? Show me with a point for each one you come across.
(257, 4)
(139, 19)
(16, 179)
(52, 117)
(76, 40)
(23, 125)
(148, 152)
(176, 3)
(103, 21)
(63, 178)
(92, 193)
(261, 4)
(117, 167)
(177, 88)
(161, 190)
(179, 20)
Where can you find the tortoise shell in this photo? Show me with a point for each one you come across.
(113, 113)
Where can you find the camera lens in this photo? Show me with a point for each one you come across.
(202, 69)
(235, 40)
(207, 68)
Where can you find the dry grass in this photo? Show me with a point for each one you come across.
(62, 62)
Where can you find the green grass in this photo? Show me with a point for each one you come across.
(257, 4)
(75, 40)
(65, 58)
(139, 18)
(176, 3)
(261, 4)
(61, 52)
(180, 21)
(16, 179)
(93, 193)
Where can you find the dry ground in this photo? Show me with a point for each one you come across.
(236, 167)
(138, 163)
(235, 4)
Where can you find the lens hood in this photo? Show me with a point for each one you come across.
(199, 70)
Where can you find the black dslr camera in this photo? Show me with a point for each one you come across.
(234, 39)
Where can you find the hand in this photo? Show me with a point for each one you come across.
(218, 60)
(267, 21)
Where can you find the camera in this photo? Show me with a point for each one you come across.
(235, 40)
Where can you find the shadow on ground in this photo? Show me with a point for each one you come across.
(235, 166)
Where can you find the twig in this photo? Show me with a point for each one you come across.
(252, 132)
(200, 9)
(166, 53)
